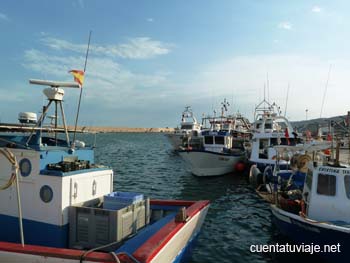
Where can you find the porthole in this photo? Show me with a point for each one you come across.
(25, 167)
(46, 194)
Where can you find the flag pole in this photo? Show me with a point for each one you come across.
(81, 92)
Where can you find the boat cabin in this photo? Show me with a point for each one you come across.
(220, 141)
(327, 193)
(270, 131)
(52, 175)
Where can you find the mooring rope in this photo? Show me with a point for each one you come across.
(12, 159)
(14, 177)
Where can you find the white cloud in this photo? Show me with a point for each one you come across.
(108, 82)
(150, 19)
(135, 48)
(307, 75)
(4, 17)
(285, 25)
(316, 9)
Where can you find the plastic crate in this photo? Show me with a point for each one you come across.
(119, 200)
(91, 226)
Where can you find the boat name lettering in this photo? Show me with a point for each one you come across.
(329, 170)
(346, 172)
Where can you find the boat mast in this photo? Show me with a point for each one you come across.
(81, 92)
(325, 90)
(285, 109)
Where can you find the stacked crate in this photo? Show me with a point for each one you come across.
(107, 219)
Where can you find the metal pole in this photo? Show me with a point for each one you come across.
(56, 116)
(81, 92)
(64, 123)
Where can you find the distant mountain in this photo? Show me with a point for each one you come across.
(339, 123)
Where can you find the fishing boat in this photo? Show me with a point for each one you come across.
(270, 128)
(189, 126)
(291, 176)
(319, 213)
(58, 205)
(219, 149)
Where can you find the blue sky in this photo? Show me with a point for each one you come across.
(149, 59)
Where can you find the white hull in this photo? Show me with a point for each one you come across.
(168, 253)
(210, 163)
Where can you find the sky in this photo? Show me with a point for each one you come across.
(150, 59)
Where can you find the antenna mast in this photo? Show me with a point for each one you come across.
(325, 89)
(81, 92)
(285, 109)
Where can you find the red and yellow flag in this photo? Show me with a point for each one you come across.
(78, 76)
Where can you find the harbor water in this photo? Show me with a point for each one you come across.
(237, 218)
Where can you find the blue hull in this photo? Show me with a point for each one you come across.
(302, 232)
(35, 233)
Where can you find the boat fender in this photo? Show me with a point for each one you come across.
(267, 174)
(239, 167)
(255, 176)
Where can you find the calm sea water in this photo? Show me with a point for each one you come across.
(237, 218)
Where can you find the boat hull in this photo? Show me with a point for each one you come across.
(306, 231)
(205, 163)
(171, 243)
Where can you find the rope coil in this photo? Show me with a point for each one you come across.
(14, 178)
(12, 159)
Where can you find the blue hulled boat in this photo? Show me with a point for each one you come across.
(58, 205)
(319, 213)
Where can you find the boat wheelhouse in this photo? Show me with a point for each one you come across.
(269, 129)
(319, 213)
(189, 126)
(58, 205)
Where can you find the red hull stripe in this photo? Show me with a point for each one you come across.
(152, 246)
(144, 254)
(54, 252)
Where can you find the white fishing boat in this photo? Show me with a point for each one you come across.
(189, 126)
(318, 214)
(270, 129)
(219, 149)
(58, 205)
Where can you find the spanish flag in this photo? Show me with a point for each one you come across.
(78, 76)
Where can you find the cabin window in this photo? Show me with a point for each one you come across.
(273, 141)
(268, 125)
(237, 144)
(326, 184)
(263, 144)
(285, 141)
(208, 139)
(186, 127)
(219, 140)
(347, 185)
